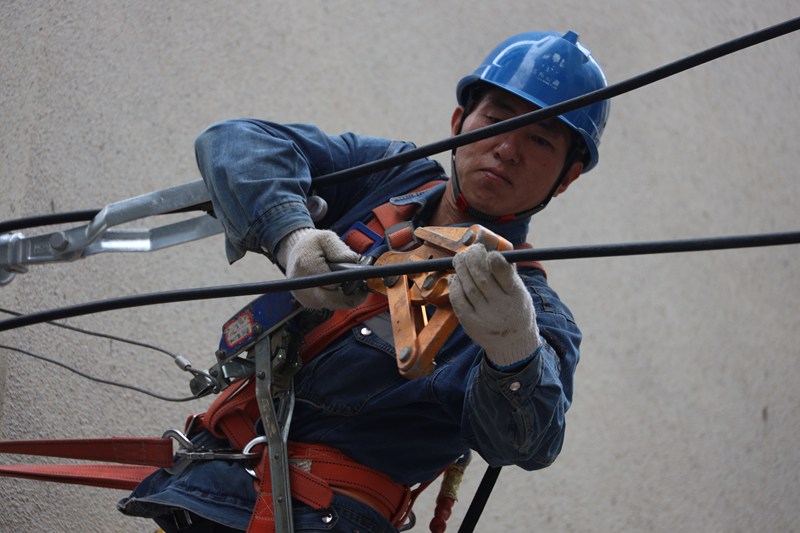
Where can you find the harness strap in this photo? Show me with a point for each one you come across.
(341, 320)
(232, 415)
(122, 477)
(390, 221)
(145, 453)
(385, 217)
(317, 472)
(126, 450)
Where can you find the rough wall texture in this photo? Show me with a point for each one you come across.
(686, 407)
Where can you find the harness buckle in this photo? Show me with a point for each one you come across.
(362, 239)
(401, 237)
(188, 452)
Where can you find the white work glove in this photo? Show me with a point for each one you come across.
(307, 252)
(493, 306)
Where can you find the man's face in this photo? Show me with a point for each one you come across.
(514, 171)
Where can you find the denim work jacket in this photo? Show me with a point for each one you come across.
(351, 396)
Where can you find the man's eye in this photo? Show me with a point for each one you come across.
(541, 141)
(492, 119)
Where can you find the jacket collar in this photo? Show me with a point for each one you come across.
(516, 231)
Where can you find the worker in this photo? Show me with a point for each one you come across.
(502, 381)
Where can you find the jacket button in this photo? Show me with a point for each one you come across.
(327, 518)
(514, 386)
(366, 331)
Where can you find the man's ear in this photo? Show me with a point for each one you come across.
(455, 120)
(574, 173)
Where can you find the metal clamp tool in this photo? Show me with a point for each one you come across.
(417, 337)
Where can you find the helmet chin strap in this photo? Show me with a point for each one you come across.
(461, 201)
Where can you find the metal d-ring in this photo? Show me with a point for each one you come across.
(250, 445)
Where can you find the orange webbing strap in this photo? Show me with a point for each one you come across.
(358, 240)
(384, 217)
(233, 415)
(122, 477)
(316, 472)
(146, 453)
(341, 320)
(316, 494)
(126, 450)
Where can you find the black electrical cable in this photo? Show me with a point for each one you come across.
(478, 502)
(631, 84)
(101, 335)
(79, 216)
(637, 82)
(412, 267)
(492, 473)
(180, 361)
(508, 125)
(47, 220)
(96, 379)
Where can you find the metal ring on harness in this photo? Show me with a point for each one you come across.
(250, 445)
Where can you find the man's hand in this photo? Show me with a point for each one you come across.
(493, 306)
(307, 252)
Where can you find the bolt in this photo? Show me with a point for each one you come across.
(404, 355)
(59, 241)
(429, 281)
(469, 235)
(261, 375)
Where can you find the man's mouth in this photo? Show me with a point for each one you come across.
(496, 174)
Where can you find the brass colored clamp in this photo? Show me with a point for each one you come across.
(418, 338)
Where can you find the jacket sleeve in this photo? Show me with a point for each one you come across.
(259, 175)
(518, 418)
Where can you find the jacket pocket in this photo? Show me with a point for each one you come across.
(344, 377)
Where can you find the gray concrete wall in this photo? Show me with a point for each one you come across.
(686, 405)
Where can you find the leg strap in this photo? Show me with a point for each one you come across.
(145, 453)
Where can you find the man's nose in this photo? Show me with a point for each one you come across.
(507, 148)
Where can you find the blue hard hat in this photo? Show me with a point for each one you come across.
(547, 68)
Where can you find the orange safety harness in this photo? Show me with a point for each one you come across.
(316, 471)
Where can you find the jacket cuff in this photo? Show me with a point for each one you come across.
(517, 365)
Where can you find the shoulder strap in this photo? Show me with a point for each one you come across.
(362, 237)
(387, 223)
(341, 320)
